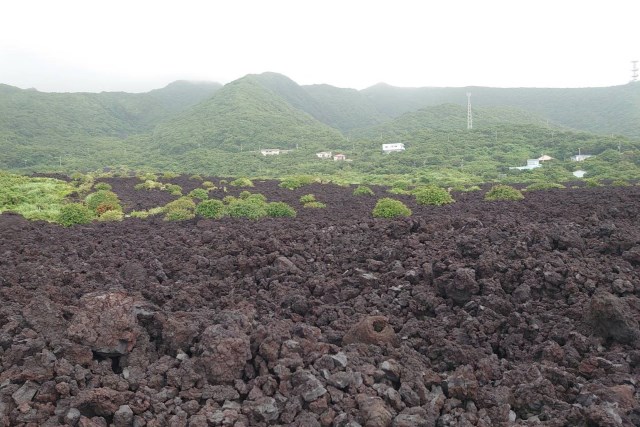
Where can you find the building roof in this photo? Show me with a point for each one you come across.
(544, 158)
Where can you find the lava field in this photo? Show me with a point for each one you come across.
(472, 314)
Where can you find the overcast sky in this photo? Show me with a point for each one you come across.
(137, 45)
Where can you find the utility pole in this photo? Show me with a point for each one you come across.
(634, 71)
(469, 116)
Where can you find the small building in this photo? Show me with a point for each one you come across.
(388, 148)
(545, 158)
(324, 155)
(270, 151)
(580, 157)
(339, 157)
(531, 164)
(579, 173)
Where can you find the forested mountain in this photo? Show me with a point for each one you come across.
(243, 116)
(603, 110)
(195, 126)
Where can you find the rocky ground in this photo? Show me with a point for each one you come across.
(473, 314)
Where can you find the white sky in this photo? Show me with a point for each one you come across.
(138, 45)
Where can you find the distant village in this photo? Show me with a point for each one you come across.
(386, 148)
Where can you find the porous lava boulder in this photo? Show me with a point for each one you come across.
(223, 351)
(106, 322)
(370, 330)
(611, 317)
(460, 286)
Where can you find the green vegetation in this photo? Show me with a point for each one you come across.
(199, 193)
(363, 190)
(209, 185)
(241, 182)
(390, 208)
(74, 213)
(111, 215)
(211, 208)
(247, 208)
(314, 205)
(543, 186)
(102, 186)
(297, 181)
(145, 214)
(432, 195)
(307, 198)
(180, 209)
(280, 210)
(102, 201)
(503, 192)
(33, 198)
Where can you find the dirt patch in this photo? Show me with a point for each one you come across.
(476, 313)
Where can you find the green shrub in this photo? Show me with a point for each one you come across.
(241, 182)
(503, 192)
(307, 198)
(280, 209)
(173, 189)
(399, 191)
(229, 199)
(211, 208)
(244, 195)
(148, 213)
(390, 208)
(315, 205)
(196, 177)
(199, 193)
(257, 198)
(183, 203)
(432, 195)
(105, 199)
(463, 189)
(363, 190)
(209, 185)
(148, 177)
(102, 186)
(170, 175)
(74, 213)
(543, 186)
(297, 181)
(149, 184)
(111, 215)
(401, 185)
(246, 209)
(592, 182)
(179, 215)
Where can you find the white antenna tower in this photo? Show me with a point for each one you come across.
(469, 116)
(634, 71)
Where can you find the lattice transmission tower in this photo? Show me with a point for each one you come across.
(634, 71)
(469, 115)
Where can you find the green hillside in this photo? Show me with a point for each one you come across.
(182, 94)
(600, 110)
(244, 116)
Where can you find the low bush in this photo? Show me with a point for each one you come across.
(179, 215)
(307, 198)
(111, 216)
(199, 193)
(170, 175)
(592, 182)
(102, 186)
(503, 192)
(196, 177)
(536, 186)
(390, 208)
(212, 208)
(297, 181)
(399, 191)
(620, 183)
(105, 199)
(315, 205)
(280, 210)
(74, 213)
(432, 195)
(246, 209)
(173, 189)
(241, 182)
(148, 177)
(209, 185)
(148, 213)
(363, 190)
(149, 184)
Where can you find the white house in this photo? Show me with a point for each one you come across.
(531, 164)
(545, 158)
(388, 148)
(339, 157)
(270, 151)
(579, 173)
(324, 154)
(580, 157)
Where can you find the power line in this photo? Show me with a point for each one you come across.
(469, 116)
